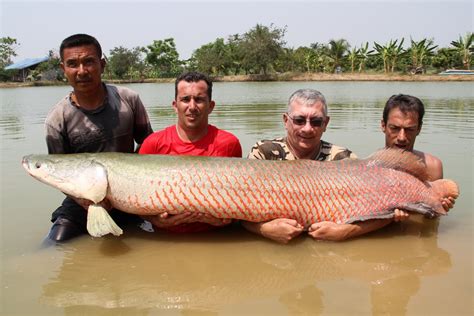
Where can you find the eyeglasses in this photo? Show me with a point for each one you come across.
(301, 120)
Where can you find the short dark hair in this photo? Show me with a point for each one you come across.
(79, 40)
(406, 103)
(193, 76)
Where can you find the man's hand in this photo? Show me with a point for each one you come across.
(330, 231)
(400, 215)
(447, 203)
(281, 230)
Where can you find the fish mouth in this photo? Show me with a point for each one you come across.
(25, 163)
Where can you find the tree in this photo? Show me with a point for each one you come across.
(337, 51)
(8, 48)
(390, 53)
(162, 55)
(49, 70)
(364, 54)
(353, 57)
(446, 58)
(213, 58)
(465, 48)
(126, 62)
(419, 52)
(262, 46)
(236, 52)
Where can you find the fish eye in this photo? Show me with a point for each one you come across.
(37, 165)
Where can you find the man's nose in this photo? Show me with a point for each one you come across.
(307, 126)
(192, 104)
(81, 69)
(402, 136)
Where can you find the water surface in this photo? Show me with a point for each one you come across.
(417, 267)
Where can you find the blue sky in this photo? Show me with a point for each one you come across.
(40, 26)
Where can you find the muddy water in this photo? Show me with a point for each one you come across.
(417, 267)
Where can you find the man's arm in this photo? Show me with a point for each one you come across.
(281, 230)
(336, 232)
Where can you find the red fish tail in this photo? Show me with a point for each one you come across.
(443, 188)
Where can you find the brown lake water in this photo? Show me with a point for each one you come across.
(418, 267)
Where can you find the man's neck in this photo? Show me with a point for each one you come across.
(191, 135)
(89, 100)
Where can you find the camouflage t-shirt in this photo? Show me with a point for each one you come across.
(277, 149)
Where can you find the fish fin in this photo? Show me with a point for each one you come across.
(399, 159)
(99, 222)
(425, 209)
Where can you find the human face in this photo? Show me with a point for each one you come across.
(401, 129)
(304, 140)
(83, 68)
(193, 106)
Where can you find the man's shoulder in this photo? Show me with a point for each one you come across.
(330, 152)
(434, 165)
(222, 134)
(121, 91)
(271, 149)
(57, 112)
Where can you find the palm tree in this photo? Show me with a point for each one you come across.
(384, 53)
(353, 57)
(337, 51)
(465, 48)
(364, 54)
(390, 53)
(397, 52)
(419, 51)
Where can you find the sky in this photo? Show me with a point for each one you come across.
(40, 26)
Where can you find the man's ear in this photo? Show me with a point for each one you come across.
(419, 129)
(382, 126)
(175, 107)
(102, 65)
(326, 122)
(212, 104)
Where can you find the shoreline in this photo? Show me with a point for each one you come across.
(276, 77)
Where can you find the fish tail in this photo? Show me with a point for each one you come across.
(444, 188)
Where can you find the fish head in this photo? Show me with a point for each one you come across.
(77, 175)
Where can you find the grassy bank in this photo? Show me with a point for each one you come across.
(276, 77)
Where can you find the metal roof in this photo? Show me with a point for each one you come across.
(25, 63)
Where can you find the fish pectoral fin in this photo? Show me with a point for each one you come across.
(91, 183)
(99, 222)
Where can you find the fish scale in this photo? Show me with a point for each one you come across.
(254, 190)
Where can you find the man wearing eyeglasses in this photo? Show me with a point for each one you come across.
(305, 122)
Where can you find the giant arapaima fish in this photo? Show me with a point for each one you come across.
(344, 191)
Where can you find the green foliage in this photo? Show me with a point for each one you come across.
(262, 45)
(8, 47)
(419, 52)
(364, 55)
(464, 47)
(337, 51)
(49, 70)
(390, 54)
(446, 58)
(125, 63)
(213, 58)
(164, 58)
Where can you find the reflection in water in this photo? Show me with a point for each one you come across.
(11, 128)
(213, 271)
(232, 272)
